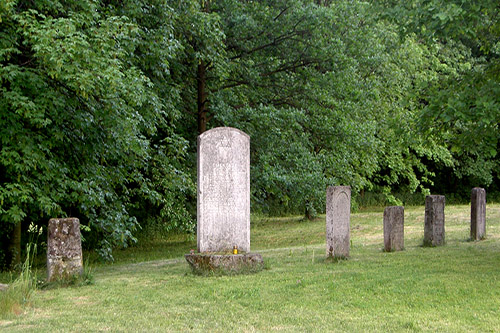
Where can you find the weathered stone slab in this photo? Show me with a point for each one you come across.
(227, 264)
(64, 249)
(223, 190)
(434, 220)
(478, 213)
(394, 219)
(338, 213)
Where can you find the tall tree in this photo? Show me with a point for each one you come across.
(311, 84)
(77, 117)
(461, 107)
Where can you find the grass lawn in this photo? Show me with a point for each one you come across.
(453, 288)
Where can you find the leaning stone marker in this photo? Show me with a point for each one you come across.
(64, 249)
(223, 230)
(394, 219)
(338, 212)
(434, 220)
(478, 213)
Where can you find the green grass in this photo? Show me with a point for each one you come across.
(452, 288)
(20, 290)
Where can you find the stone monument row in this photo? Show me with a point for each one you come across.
(394, 218)
(338, 212)
(478, 213)
(64, 249)
(434, 220)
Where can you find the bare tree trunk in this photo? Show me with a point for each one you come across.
(308, 213)
(201, 77)
(202, 97)
(14, 248)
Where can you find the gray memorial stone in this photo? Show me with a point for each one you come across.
(394, 219)
(223, 190)
(338, 212)
(64, 249)
(478, 213)
(434, 220)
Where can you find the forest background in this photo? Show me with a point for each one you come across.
(101, 103)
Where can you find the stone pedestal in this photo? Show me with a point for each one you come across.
(338, 213)
(394, 218)
(205, 263)
(478, 213)
(434, 220)
(64, 249)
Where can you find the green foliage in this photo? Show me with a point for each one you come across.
(325, 94)
(461, 106)
(286, 176)
(101, 104)
(80, 120)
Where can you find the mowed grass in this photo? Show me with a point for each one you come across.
(452, 288)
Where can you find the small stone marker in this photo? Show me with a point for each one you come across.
(394, 219)
(478, 213)
(3, 287)
(338, 213)
(223, 190)
(434, 220)
(64, 249)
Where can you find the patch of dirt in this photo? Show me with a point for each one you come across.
(5, 323)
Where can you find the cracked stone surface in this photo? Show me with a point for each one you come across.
(64, 249)
(434, 220)
(338, 214)
(223, 199)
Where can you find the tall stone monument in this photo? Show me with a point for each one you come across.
(434, 220)
(338, 213)
(64, 249)
(223, 190)
(223, 202)
(478, 213)
(394, 219)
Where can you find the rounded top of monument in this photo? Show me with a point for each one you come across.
(222, 129)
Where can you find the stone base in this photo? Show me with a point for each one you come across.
(63, 269)
(205, 263)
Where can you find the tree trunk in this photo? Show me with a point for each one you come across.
(308, 212)
(202, 97)
(14, 248)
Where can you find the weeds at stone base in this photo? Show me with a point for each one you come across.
(247, 270)
(87, 278)
(391, 250)
(335, 259)
(429, 244)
